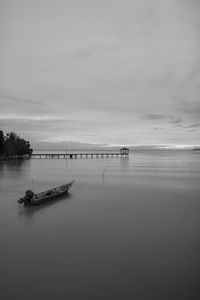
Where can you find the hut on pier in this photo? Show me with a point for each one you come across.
(124, 151)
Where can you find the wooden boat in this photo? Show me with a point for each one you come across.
(34, 199)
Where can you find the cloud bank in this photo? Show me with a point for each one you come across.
(105, 72)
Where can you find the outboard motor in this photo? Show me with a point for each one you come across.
(21, 200)
(26, 200)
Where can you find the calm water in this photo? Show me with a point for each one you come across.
(130, 234)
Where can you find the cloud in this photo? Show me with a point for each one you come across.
(176, 121)
(55, 128)
(81, 54)
(19, 99)
(158, 128)
(193, 125)
(193, 75)
(153, 116)
(169, 119)
(99, 66)
(40, 124)
(188, 107)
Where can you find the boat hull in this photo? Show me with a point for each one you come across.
(46, 199)
(47, 195)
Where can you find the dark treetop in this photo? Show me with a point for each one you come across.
(12, 144)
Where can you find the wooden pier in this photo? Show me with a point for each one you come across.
(76, 155)
(124, 152)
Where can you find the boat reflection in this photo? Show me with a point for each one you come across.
(27, 212)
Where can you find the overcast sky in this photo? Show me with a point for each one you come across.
(113, 72)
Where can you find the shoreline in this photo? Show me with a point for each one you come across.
(13, 157)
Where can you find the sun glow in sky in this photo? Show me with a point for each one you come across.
(109, 72)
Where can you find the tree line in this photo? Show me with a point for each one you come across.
(12, 144)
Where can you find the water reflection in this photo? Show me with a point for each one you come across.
(12, 165)
(124, 161)
(27, 213)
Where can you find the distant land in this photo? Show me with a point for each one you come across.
(67, 146)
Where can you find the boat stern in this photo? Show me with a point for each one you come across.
(21, 200)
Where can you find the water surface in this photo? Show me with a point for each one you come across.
(129, 229)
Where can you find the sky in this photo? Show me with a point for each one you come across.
(109, 72)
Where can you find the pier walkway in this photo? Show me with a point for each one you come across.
(75, 155)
